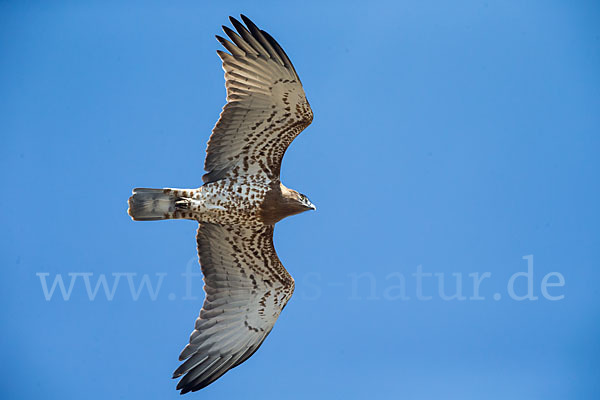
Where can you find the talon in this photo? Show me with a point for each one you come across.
(182, 204)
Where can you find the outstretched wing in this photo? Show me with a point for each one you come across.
(266, 106)
(246, 288)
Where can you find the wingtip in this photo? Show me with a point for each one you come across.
(233, 20)
(246, 20)
(220, 39)
(238, 25)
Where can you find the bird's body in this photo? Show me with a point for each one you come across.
(238, 205)
(228, 201)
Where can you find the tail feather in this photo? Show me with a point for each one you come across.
(152, 204)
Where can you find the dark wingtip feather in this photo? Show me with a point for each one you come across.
(248, 21)
(281, 52)
(236, 23)
(229, 32)
(239, 27)
(225, 43)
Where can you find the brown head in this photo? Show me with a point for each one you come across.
(301, 200)
(281, 202)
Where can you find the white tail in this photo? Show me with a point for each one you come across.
(151, 204)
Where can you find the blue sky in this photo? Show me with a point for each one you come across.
(451, 138)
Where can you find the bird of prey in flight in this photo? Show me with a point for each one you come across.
(238, 205)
